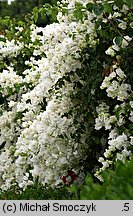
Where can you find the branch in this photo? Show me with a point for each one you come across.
(115, 27)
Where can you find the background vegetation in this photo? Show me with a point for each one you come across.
(21, 10)
(118, 185)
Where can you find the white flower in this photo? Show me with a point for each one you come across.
(98, 124)
(106, 82)
(120, 157)
(112, 75)
(101, 159)
(11, 103)
(122, 91)
(131, 140)
(131, 24)
(126, 153)
(125, 9)
(121, 141)
(131, 104)
(102, 108)
(105, 165)
(126, 41)
(10, 49)
(113, 134)
(112, 90)
(110, 52)
(122, 25)
(120, 73)
(131, 116)
(19, 28)
(113, 119)
(107, 124)
(116, 14)
(107, 153)
(116, 47)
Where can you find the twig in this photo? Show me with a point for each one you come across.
(117, 30)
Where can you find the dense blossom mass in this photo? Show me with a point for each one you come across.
(40, 142)
(37, 113)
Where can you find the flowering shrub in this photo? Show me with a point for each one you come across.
(117, 185)
(119, 120)
(37, 113)
(48, 89)
(116, 110)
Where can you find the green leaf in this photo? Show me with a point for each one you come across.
(103, 33)
(119, 3)
(35, 14)
(78, 14)
(89, 6)
(9, 90)
(130, 126)
(118, 40)
(98, 9)
(1, 64)
(17, 87)
(107, 7)
(78, 11)
(129, 3)
(117, 112)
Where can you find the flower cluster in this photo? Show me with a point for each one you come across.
(10, 48)
(116, 87)
(114, 114)
(118, 121)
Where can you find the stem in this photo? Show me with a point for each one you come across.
(115, 27)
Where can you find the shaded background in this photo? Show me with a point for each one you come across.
(19, 8)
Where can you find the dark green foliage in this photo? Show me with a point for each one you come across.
(37, 192)
(21, 10)
(118, 185)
